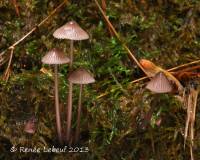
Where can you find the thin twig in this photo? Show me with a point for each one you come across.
(171, 69)
(3, 60)
(7, 72)
(188, 69)
(187, 122)
(191, 152)
(16, 7)
(35, 28)
(104, 8)
(131, 55)
(194, 93)
(184, 65)
(117, 82)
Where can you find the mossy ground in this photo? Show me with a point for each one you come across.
(114, 126)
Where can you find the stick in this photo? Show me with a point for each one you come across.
(6, 74)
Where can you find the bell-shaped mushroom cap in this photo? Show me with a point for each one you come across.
(160, 84)
(81, 76)
(55, 56)
(72, 31)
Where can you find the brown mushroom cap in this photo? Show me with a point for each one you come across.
(81, 76)
(160, 84)
(55, 56)
(72, 31)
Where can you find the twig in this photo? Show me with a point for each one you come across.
(7, 72)
(191, 104)
(16, 7)
(131, 55)
(3, 60)
(104, 8)
(191, 152)
(171, 69)
(35, 28)
(185, 65)
(117, 82)
(194, 93)
(188, 69)
(187, 122)
(138, 80)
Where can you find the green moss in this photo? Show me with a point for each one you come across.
(113, 124)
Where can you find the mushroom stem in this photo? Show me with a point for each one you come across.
(78, 115)
(58, 122)
(71, 53)
(69, 104)
(69, 111)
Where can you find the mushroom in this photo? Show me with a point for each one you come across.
(30, 126)
(160, 84)
(73, 32)
(55, 57)
(151, 70)
(80, 76)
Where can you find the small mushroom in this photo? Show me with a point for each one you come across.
(160, 84)
(30, 126)
(55, 57)
(151, 70)
(80, 76)
(73, 32)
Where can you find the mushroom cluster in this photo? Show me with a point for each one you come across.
(73, 32)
